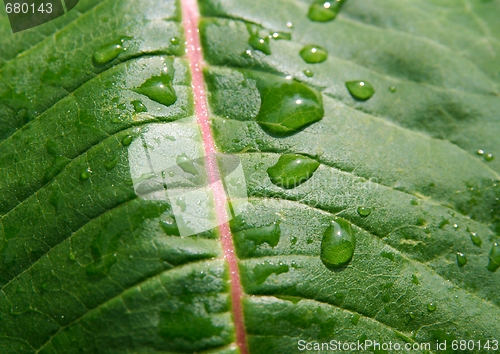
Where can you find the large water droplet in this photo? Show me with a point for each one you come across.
(494, 262)
(313, 54)
(337, 245)
(323, 11)
(360, 90)
(160, 88)
(263, 271)
(431, 307)
(268, 233)
(489, 157)
(127, 140)
(286, 104)
(461, 259)
(292, 170)
(109, 51)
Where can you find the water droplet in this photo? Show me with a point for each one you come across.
(308, 73)
(110, 164)
(414, 202)
(292, 170)
(480, 152)
(127, 140)
(476, 240)
(388, 255)
(323, 11)
(174, 40)
(421, 222)
(494, 262)
(287, 105)
(313, 54)
(108, 52)
(268, 233)
(85, 174)
(360, 90)
(281, 36)
(392, 88)
(260, 43)
(414, 279)
(431, 307)
(181, 203)
(364, 211)
(263, 271)
(169, 225)
(139, 106)
(461, 259)
(289, 24)
(72, 257)
(443, 223)
(355, 319)
(489, 157)
(186, 164)
(338, 244)
(160, 88)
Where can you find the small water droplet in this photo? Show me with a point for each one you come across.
(313, 54)
(355, 319)
(489, 157)
(281, 36)
(127, 140)
(480, 152)
(414, 279)
(338, 244)
(443, 223)
(174, 40)
(364, 211)
(461, 259)
(109, 51)
(388, 255)
(85, 174)
(431, 307)
(139, 106)
(110, 164)
(186, 164)
(289, 24)
(263, 271)
(260, 43)
(181, 203)
(360, 90)
(476, 240)
(323, 11)
(160, 88)
(72, 256)
(414, 202)
(269, 234)
(392, 88)
(494, 258)
(421, 222)
(292, 170)
(308, 73)
(169, 225)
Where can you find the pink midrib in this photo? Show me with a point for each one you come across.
(190, 21)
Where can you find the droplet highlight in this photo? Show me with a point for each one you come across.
(337, 244)
(292, 170)
(360, 90)
(313, 54)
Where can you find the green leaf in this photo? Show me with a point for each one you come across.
(359, 212)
